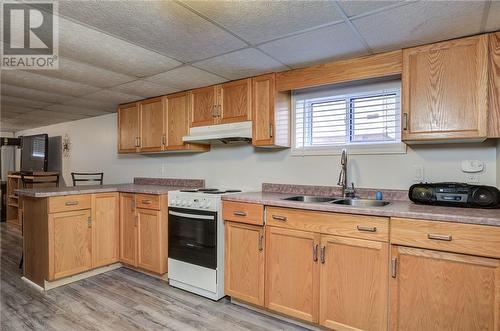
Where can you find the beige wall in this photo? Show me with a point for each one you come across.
(94, 149)
(498, 164)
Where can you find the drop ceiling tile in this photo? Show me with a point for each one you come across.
(259, 21)
(144, 89)
(185, 78)
(493, 21)
(17, 109)
(47, 115)
(244, 63)
(90, 46)
(420, 23)
(333, 42)
(112, 97)
(6, 115)
(76, 110)
(9, 100)
(91, 104)
(87, 74)
(355, 8)
(31, 97)
(162, 26)
(47, 84)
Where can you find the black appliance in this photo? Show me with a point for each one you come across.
(192, 236)
(34, 153)
(455, 194)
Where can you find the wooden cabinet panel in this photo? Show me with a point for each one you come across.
(105, 229)
(149, 233)
(292, 274)
(445, 90)
(235, 101)
(244, 262)
(148, 201)
(243, 212)
(70, 243)
(203, 102)
(128, 128)
(435, 290)
(69, 202)
(152, 130)
(494, 87)
(353, 284)
(177, 120)
(128, 229)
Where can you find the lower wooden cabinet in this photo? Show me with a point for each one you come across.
(353, 283)
(128, 232)
(292, 271)
(435, 290)
(244, 262)
(105, 229)
(70, 243)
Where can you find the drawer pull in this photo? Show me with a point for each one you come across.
(279, 218)
(366, 228)
(261, 238)
(146, 202)
(71, 203)
(89, 222)
(441, 237)
(239, 213)
(394, 265)
(322, 254)
(315, 252)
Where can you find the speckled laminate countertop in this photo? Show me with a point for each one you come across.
(405, 209)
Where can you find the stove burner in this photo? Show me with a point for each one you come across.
(222, 192)
(207, 190)
(189, 190)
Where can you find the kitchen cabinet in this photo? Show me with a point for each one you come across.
(128, 233)
(128, 128)
(151, 119)
(436, 290)
(70, 243)
(244, 262)
(445, 91)
(105, 229)
(494, 87)
(270, 113)
(292, 273)
(177, 123)
(353, 283)
(221, 104)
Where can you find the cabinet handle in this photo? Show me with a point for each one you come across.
(136, 220)
(366, 228)
(279, 218)
(89, 222)
(239, 213)
(322, 254)
(441, 237)
(271, 129)
(394, 262)
(146, 202)
(214, 112)
(261, 238)
(71, 203)
(315, 252)
(133, 205)
(219, 111)
(138, 141)
(405, 121)
(164, 140)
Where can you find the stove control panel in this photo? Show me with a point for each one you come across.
(189, 202)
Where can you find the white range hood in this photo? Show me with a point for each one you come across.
(220, 134)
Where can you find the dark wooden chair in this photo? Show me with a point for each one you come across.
(87, 177)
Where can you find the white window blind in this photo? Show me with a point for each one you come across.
(363, 117)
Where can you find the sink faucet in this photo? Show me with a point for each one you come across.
(346, 191)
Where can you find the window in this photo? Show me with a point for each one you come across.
(365, 119)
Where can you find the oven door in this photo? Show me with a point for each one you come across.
(192, 236)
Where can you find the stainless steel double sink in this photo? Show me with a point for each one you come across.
(354, 202)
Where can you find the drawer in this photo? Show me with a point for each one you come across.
(147, 201)
(69, 202)
(347, 225)
(471, 239)
(242, 212)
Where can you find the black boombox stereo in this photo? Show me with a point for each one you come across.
(455, 194)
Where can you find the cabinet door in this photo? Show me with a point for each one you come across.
(292, 273)
(105, 229)
(434, 290)
(263, 110)
(128, 128)
(152, 125)
(203, 101)
(177, 120)
(128, 229)
(353, 284)
(494, 91)
(70, 243)
(149, 245)
(244, 262)
(445, 90)
(235, 104)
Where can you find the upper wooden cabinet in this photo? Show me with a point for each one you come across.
(494, 91)
(128, 128)
(221, 104)
(445, 90)
(270, 114)
(151, 119)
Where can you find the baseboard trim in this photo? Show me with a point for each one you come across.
(71, 279)
(163, 277)
(31, 284)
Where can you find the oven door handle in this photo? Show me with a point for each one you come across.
(201, 217)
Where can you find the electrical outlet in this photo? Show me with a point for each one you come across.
(418, 173)
(472, 178)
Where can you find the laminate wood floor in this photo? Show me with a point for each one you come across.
(122, 299)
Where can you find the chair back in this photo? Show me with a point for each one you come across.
(40, 179)
(81, 177)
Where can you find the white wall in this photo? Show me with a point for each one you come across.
(498, 164)
(94, 148)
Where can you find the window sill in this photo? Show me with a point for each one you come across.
(372, 149)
